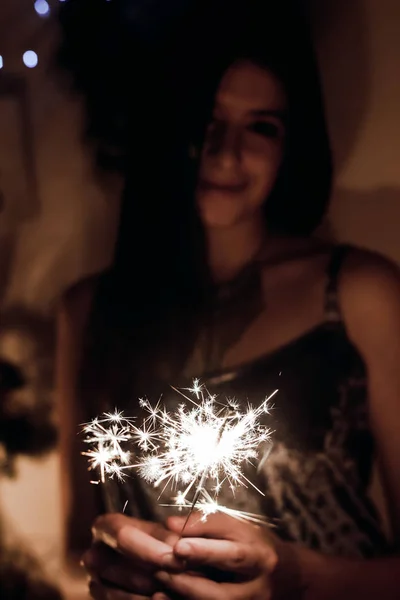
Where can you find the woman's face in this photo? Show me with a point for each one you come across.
(243, 146)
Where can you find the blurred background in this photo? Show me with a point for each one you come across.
(57, 223)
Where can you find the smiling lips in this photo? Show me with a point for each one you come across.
(211, 186)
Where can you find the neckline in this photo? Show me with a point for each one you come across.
(228, 373)
(248, 275)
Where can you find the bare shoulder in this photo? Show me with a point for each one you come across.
(370, 299)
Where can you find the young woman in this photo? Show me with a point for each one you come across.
(252, 302)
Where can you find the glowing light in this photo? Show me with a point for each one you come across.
(30, 59)
(1, 62)
(197, 449)
(207, 505)
(107, 438)
(203, 446)
(42, 7)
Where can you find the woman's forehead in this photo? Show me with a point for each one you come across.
(250, 88)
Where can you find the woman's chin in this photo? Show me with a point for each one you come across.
(219, 221)
(219, 214)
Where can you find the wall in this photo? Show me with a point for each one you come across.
(359, 48)
(71, 231)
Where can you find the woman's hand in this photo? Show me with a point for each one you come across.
(124, 556)
(241, 557)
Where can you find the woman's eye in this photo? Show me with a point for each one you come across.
(265, 129)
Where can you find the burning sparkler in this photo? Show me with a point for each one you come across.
(107, 438)
(200, 447)
(207, 505)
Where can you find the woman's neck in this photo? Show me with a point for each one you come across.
(230, 249)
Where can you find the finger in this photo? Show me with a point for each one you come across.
(191, 587)
(220, 554)
(132, 583)
(99, 556)
(112, 522)
(121, 534)
(99, 591)
(215, 526)
(96, 590)
(112, 568)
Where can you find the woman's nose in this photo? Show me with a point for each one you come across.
(225, 146)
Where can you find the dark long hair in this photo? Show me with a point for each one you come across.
(145, 109)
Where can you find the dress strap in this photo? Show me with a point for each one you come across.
(332, 309)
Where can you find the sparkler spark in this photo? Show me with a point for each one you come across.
(207, 505)
(197, 449)
(107, 438)
(202, 446)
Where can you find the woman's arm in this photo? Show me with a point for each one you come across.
(78, 501)
(370, 300)
(370, 297)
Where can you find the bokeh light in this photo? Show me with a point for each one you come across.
(42, 7)
(1, 62)
(30, 59)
